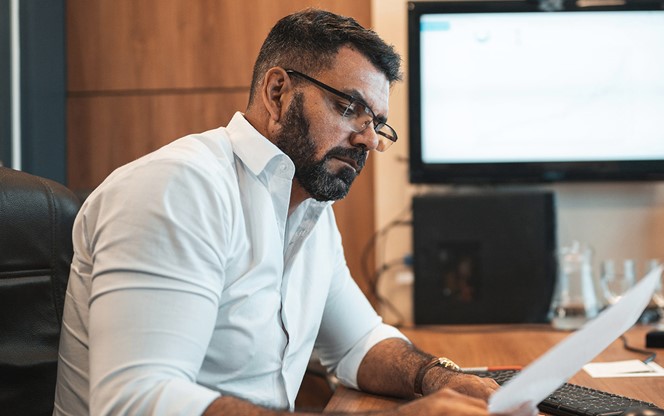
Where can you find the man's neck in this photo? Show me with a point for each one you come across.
(298, 195)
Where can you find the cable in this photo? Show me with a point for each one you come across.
(651, 354)
(366, 267)
(383, 269)
(372, 244)
(370, 275)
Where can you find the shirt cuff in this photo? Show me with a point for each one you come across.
(349, 365)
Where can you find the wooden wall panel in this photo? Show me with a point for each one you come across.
(155, 44)
(142, 73)
(106, 132)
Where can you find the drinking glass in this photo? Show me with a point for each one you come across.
(575, 301)
(616, 281)
(658, 296)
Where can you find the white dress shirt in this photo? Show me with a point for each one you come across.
(190, 280)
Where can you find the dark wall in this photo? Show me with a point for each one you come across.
(42, 42)
(5, 114)
(43, 88)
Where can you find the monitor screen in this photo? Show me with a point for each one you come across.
(503, 91)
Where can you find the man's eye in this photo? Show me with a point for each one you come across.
(347, 109)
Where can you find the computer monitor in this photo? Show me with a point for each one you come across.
(510, 91)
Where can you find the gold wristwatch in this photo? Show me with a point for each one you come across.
(436, 362)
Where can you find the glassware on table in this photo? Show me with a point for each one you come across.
(575, 301)
(616, 281)
(658, 296)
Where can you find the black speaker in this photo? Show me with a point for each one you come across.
(484, 257)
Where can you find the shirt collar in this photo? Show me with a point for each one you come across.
(251, 147)
(256, 152)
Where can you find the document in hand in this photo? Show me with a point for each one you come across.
(544, 375)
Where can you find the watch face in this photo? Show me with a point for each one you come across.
(447, 363)
(436, 362)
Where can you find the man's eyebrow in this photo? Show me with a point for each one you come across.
(357, 95)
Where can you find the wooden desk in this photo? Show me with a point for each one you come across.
(475, 346)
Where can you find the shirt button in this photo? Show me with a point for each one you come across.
(282, 166)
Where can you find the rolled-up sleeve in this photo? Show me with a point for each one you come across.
(350, 327)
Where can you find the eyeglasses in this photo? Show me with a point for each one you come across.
(357, 113)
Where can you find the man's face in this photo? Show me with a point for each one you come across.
(327, 153)
(320, 182)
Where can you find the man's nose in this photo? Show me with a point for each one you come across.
(367, 138)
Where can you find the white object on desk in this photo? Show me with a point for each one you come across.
(628, 368)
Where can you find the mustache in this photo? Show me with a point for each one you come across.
(358, 154)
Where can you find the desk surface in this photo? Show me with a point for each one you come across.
(491, 345)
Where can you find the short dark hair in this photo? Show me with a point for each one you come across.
(308, 41)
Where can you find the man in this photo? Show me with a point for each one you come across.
(205, 273)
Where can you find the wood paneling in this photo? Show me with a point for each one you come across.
(142, 73)
(106, 132)
(154, 44)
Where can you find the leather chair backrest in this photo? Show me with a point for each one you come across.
(36, 218)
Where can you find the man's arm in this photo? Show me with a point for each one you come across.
(440, 403)
(391, 366)
(154, 287)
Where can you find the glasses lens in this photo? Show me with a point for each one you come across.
(386, 137)
(359, 116)
(383, 144)
(386, 132)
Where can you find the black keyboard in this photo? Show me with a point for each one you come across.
(575, 400)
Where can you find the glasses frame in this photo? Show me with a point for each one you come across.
(351, 100)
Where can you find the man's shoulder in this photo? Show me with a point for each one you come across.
(213, 147)
(202, 160)
(209, 153)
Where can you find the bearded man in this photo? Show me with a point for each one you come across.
(206, 272)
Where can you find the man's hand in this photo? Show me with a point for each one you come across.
(450, 402)
(391, 366)
(468, 384)
(445, 402)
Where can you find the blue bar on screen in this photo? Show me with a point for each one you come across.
(431, 26)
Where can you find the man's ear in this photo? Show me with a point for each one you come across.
(276, 86)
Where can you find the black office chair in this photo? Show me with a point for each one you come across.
(36, 218)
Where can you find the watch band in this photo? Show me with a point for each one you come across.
(436, 362)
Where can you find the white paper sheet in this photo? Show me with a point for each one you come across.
(543, 376)
(627, 368)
